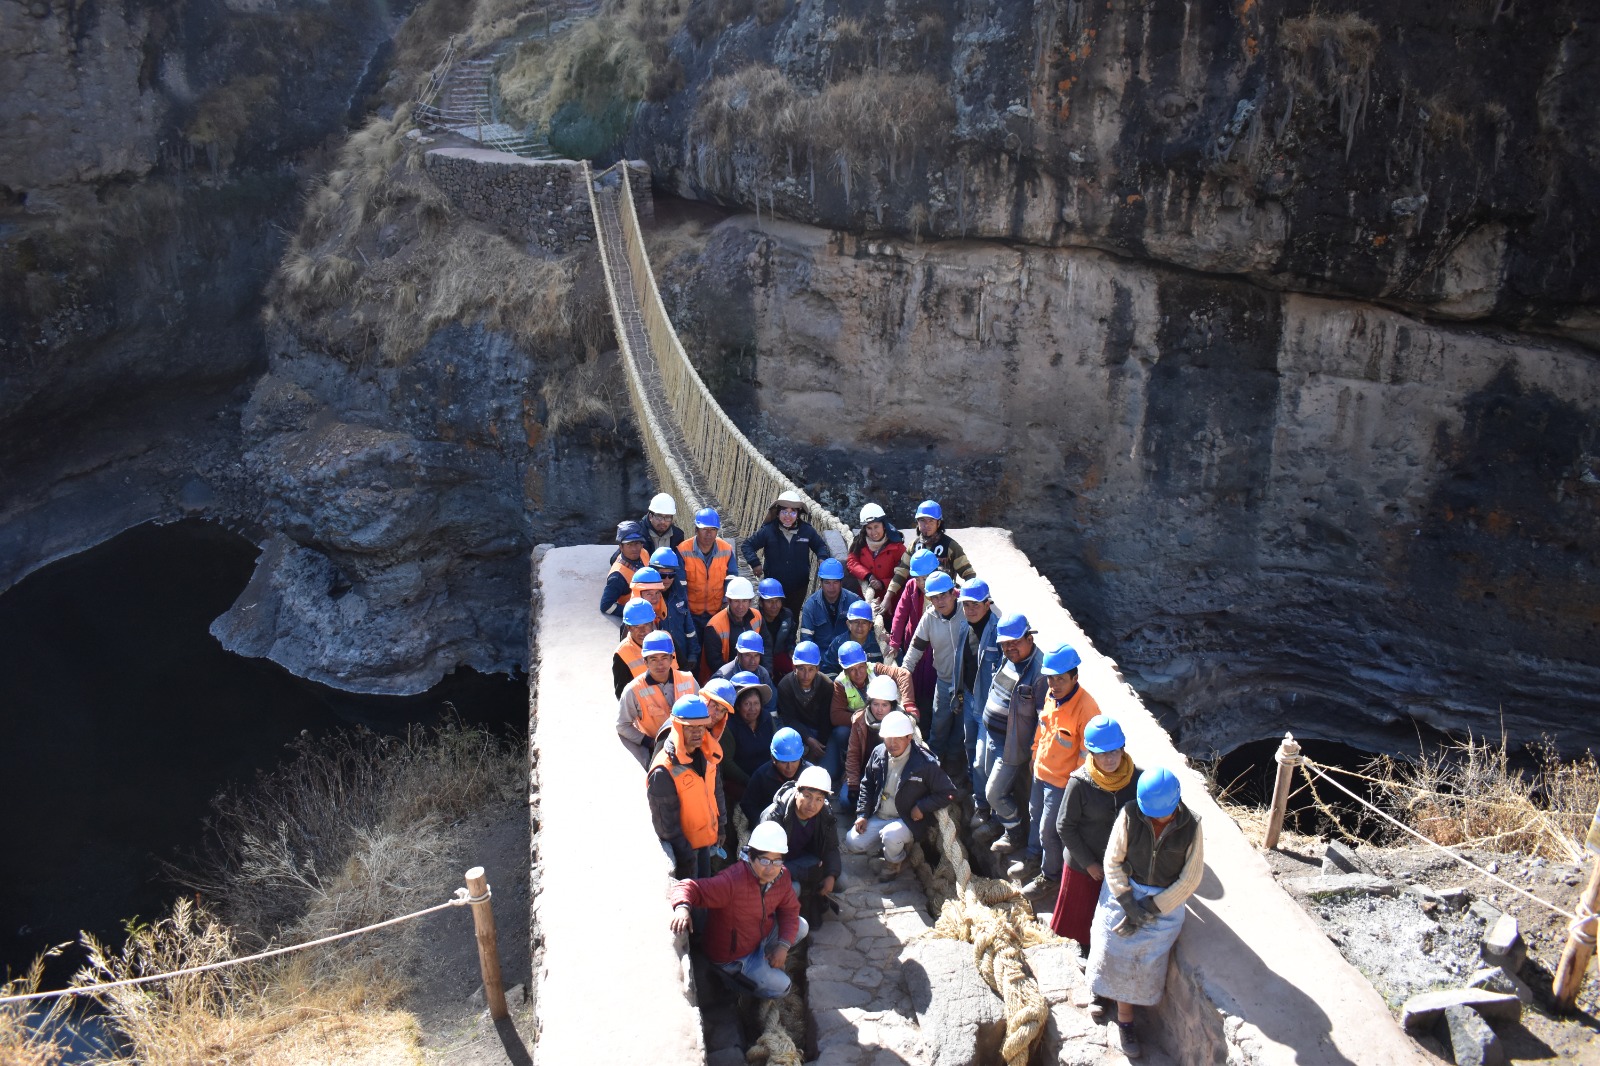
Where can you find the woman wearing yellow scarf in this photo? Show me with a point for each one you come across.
(1096, 791)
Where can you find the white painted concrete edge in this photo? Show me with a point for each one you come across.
(1287, 994)
(610, 989)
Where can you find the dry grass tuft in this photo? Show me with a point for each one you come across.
(25, 1041)
(1469, 794)
(225, 114)
(1329, 58)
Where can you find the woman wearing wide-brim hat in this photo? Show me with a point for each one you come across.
(782, 548)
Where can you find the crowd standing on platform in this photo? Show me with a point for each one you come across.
(776, 699)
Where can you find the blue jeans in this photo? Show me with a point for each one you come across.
(757, 973)
(972, 727)
(941, 733)
(988, 760)
(838, 741)
(1042, 836)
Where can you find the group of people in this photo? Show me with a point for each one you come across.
(778, 699)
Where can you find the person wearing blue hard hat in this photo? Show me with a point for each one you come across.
(783, 548)
(707, 563)
(1010, 719)
(688, 807)
(629, 558)
(902, 617)
(826, 611)
(627, 661)
(858, 619)
(679, 621)
(851, 702)
(931, 538)
(980, 659)
(779, 625)
(805, 698)
(1058, 752)
(1096, 791)
(1153, 863)
(788, 759)
(646, 701)
(943, 632)
(750, 657)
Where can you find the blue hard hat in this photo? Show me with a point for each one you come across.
(787, 745)
(706, 518)
(1158, 792)
(859, 610)
(646, 575)
(1060, 661)
(974, 591)
(722, 690)
(690, 708)
(664, 559)
(638, 612)
(750, 640)
(930, 509)
(939, 584)
(1013, 626)
(923, 562)
(807, 653)
(771, 588)
(831, 570)
(658, 643)
(851, 654)
(1103, 734)
(629, 530)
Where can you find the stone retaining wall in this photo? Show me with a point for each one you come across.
(535, 201)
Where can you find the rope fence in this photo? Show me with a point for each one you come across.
(462, 898)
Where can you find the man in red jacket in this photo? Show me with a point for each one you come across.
(753, 916)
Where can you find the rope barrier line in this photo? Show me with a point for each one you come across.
(1486, 804)
(461, 899)
(1463, 860)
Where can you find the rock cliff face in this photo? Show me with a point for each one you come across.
(1273, 509)
(1438, 157)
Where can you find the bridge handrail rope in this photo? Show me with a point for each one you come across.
(460, 899)
(989, 914)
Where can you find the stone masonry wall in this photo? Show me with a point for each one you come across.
(537, 201)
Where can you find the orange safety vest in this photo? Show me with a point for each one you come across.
(722, 625)
(625, 568)
(1058, 745)
(632, 655)
(697, 796)
(655, 701)
(705, 581)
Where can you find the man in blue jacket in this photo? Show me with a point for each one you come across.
(902, 788)
(983, 660)
(679, 622)
(859, 619)
(1010, 718)
(824, 618)
(783, 547)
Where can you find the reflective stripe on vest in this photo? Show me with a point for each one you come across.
(705, 581)
(655, 701)
(852, 695)
(631, 655)
(697, 798)
(722, 626)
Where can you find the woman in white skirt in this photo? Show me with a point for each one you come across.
(1152, 865)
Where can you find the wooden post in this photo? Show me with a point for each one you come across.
(494, 988)
(1288, 758)
(1576, 955)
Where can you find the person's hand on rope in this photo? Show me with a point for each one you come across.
(1096, 871)
(777, 955)
(1133, 914)
(680, 920)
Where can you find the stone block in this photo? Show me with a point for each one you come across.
(832, 935)
(833, 995)
(1055, 967)
(1485, 911)
(845, 957)
(835, 1021)
(1494, 979)
(907, 922)
(1337, 858)
(1424, 1011)
(1503, 945)
(1338, 885)
(1472, 1042)
(962, 1019)
(837, 1055)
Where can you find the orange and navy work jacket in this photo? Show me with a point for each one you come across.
(705, 578)
(1058, 745)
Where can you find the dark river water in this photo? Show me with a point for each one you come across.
(124, 717)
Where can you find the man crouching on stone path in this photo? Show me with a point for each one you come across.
(902, 788)
(753, 916)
